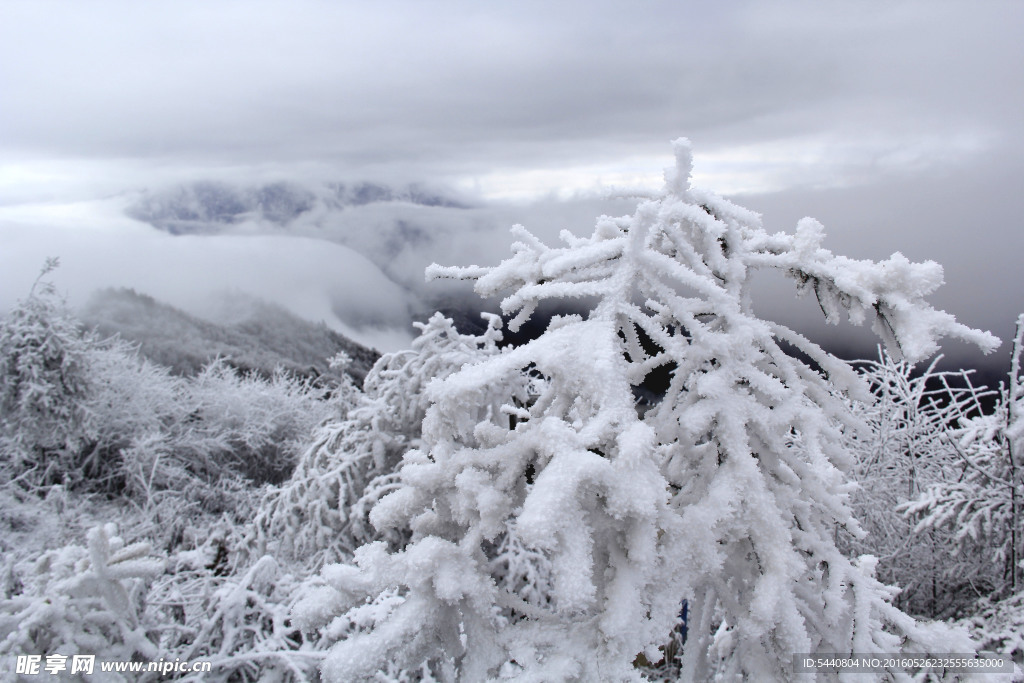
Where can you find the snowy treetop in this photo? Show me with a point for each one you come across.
(710, 246)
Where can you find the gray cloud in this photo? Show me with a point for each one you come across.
(461, 89)
(897, 124)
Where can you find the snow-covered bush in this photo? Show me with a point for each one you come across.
(132, 405)
(93, 414)
(239, 622)
(981, 500)
(998, 626)
(43, 385)
(243, 424)
(84, 600)
(320, 514)
(907, 448)
(119, 602)
(724, 495)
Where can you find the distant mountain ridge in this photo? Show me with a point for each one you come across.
(253, 335)
(208, 206)
(401, 229)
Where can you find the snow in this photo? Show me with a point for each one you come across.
(481, 512)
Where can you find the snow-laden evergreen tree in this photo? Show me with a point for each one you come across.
(724, 495)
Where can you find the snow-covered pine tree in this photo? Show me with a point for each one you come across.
(725, 494)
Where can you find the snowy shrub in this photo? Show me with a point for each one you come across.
(87, 600)
(119, 603)
(239, 622)
(320, 514)
(42, 387)
(724, 495)
(907, 448)
(981, 500)
(998, 626)
(199, 438)
(73, 405)
(243, 424)
(93, 414)
(131, 405)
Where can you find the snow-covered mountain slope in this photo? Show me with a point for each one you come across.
(249, 334)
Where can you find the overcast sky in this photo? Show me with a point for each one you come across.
(900, 125)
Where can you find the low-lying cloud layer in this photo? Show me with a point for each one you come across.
(316, 279)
